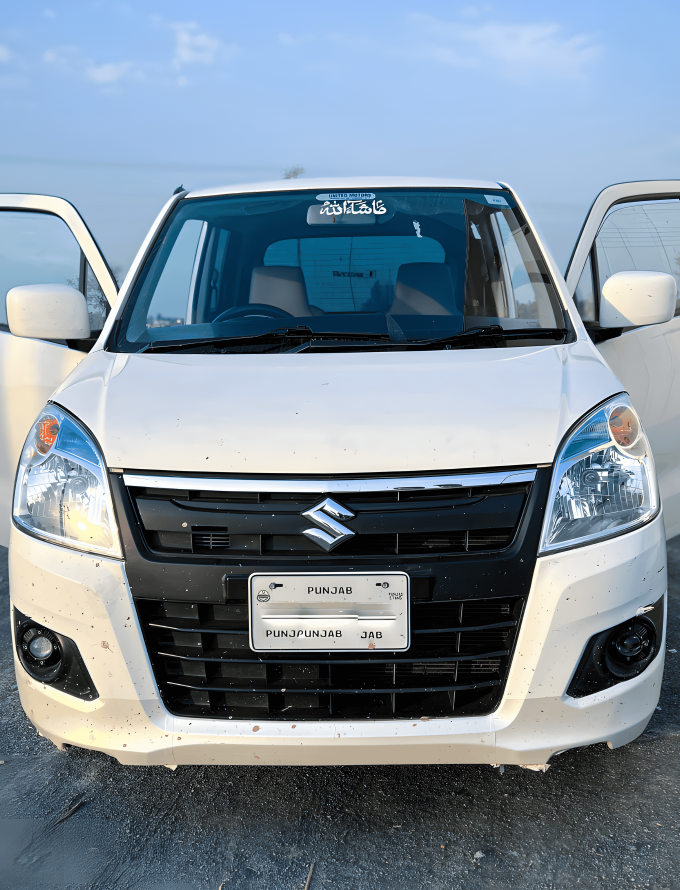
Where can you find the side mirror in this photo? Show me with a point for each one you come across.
(47, 312)
(637, 298)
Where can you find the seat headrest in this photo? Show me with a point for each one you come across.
(280, 286)
(424, 289)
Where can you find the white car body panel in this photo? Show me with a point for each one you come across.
(345, 183)
(31, 370)
(647, 359)
(573, 596)
(343, 413)
(351, 413)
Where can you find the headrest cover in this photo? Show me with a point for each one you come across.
(424, 289)
(280, 286)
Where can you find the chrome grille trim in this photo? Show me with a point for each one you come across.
(327, 486)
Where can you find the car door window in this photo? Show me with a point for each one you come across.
(39, 248)
(584, 296)
(643, 236)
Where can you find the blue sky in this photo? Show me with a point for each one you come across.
(112, 105)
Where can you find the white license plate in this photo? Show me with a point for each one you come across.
(341, 613)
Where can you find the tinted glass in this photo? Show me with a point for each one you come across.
(584, 297)
(643, 236)
(35, 248)
(423, 263)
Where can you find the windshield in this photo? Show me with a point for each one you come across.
(399, 264)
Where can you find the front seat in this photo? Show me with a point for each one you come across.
(280, 286)
(423, 289)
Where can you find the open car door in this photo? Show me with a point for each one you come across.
(43, 240)
(635, 226)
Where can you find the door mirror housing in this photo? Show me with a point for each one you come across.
(630, 299)
(47, 312)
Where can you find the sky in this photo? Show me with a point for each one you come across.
(113, 105)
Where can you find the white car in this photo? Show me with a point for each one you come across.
(345, 472)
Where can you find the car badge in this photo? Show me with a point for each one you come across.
(330, 532)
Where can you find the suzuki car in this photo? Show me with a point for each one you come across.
(344, 472)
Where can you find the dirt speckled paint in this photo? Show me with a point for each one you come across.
(597, 818)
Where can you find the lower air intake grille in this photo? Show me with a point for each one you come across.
(210, 540)
(457, 665)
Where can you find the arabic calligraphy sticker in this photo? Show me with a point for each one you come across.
(348, 211)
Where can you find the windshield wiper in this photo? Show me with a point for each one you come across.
(301, 332)
(493, 334)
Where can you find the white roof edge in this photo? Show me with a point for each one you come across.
(344, 183)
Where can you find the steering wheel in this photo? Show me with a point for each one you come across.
(259, 310)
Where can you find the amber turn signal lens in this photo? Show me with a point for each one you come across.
(624, 426)
(46, 432)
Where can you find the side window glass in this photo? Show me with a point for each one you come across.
(97, 304)
(584, 296)
(35, 248)
(206, 293)
(642, 236)
(174, 294)
(506, 276)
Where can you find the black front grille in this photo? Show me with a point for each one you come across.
(385, 523)
(209, 540)
(457, 664)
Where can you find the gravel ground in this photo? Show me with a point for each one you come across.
(597, 818)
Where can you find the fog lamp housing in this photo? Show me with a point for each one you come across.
(630, 647)
(619, 653)
(52, 658)
(41, 652)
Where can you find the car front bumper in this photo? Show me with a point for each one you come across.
(574, 595)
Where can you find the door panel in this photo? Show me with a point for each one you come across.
(647, 362)
(636, 226)
(43, 240)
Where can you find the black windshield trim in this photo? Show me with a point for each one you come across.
(292, 343)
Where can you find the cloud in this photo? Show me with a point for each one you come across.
(64, 58)
(70, 60)
(519, 52)
(290, 40)
(112, 72)
(5, 54)
(194, 46)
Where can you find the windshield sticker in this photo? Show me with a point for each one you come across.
(358, 208)
(416, 226)
(346, 196)
(497, 200)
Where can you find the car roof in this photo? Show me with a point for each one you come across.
(344, 183)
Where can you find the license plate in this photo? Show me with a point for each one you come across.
(340, 613)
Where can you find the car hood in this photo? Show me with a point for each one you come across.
(373, 412)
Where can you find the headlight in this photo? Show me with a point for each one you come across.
(62, 491)
(604, 481)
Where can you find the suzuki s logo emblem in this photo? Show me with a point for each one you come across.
(330, 532)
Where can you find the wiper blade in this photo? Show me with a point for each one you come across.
(495, 332)
(490, 330)
(301, 332)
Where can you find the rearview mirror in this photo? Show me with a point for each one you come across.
(630, 299)
(47, 312)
